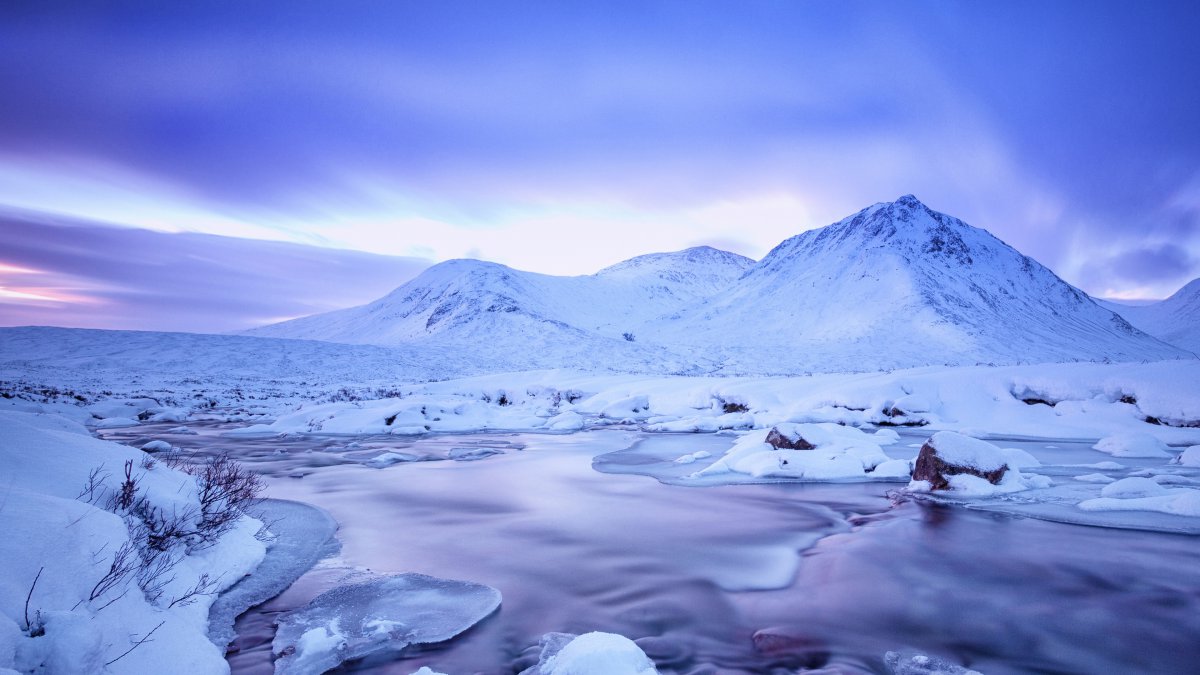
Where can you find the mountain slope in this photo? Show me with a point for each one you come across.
(1175, 320)
(493, 312)
(900, 285)
(895, 285)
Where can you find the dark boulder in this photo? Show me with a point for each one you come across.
(787, 441)
(949, 454)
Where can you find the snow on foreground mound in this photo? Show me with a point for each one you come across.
(109, 589)
(969, 467)
(592, 653)
(832, 452)
(380, 615)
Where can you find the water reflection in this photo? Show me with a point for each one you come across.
(734, 579)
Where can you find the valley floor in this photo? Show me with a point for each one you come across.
(1116, 445)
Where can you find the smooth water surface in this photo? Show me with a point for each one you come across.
(731, 579)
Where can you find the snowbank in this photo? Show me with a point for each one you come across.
(95, 603)
(837, 453)
(1068, 401)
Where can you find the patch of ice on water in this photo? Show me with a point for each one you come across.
(1103, 466)
(472, 454)
(1094, 478)
(692, 457)
(911, 663)
(386, 614)
(114, 423)
(387, 459)
(1180, 502)
(303, 534)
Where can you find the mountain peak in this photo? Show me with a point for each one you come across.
(909, 201)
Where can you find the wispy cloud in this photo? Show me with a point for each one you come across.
(517, 130)
(74, 273)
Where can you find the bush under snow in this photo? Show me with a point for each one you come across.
(112, 556)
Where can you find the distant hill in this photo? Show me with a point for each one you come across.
(1175, 320)
(895, 285)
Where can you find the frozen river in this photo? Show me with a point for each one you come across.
(577, 535)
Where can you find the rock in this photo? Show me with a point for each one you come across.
(948, 454)
(157, 446)
(788, 440)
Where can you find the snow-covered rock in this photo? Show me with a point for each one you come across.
(1132, 445)
(386, 614)
(837, 453)
(1189, 457)
(594, 653)
(948, 454)
(1132, 487)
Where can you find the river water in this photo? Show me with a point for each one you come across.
(759, 578)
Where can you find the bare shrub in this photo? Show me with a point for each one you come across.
(226, 490)
(124, 563)
(124, 497)
(154, 573)
(94, 488)
(203, 586)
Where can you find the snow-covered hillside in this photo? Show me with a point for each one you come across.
(477, 300)
(1175, 320)
(896, 285)
(899, 285)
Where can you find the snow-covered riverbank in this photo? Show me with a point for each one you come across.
(110, 558)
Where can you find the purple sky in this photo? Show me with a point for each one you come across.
(562, 137)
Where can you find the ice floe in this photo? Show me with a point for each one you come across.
(380, 615)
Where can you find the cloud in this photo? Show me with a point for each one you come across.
(1146, 272)
(522, 129)
(55, 271)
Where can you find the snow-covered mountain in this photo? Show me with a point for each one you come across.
(895, 285)
(1175, 320)
(495, 313)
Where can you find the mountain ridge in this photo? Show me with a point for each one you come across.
(1175, 320)
(895, 285)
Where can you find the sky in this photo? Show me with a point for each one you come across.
(564, 137)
